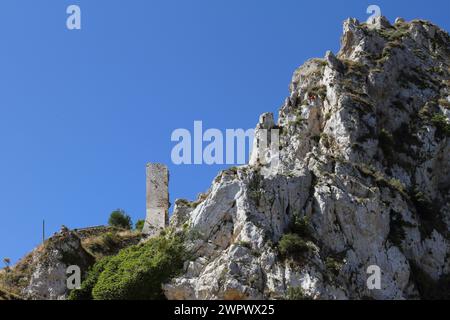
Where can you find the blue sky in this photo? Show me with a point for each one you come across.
(81, 112)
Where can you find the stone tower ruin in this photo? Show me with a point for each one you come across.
(157, 198)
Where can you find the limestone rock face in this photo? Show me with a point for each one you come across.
(42, 274)
(49, 263)
(364, 164)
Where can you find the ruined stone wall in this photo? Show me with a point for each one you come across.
(157, 197)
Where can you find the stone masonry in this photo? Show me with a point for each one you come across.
(157, 198)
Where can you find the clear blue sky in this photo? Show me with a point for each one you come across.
(81, 112)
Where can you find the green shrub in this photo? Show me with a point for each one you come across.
(394, 33)
(245, 244)
(441, 124)
(139, 225)
(233, 170)
(333, 265)
(397, 184)
(321, 62)
(293, 246)
(325, 139)
(119, 218)
(85, 292)
(137, 272)
(429, 213)
(300, 226)
(296, 294)
(320, 91)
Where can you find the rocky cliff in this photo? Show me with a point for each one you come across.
(42, 274)
(363, 180)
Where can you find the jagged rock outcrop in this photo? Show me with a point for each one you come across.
(364, 164)
(362, 178)
(42, 274)
(50, 263)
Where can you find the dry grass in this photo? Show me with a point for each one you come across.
(13, 280)
(110, 243)
(5, 295)
(444, 103)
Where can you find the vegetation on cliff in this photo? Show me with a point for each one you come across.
(136, 272)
